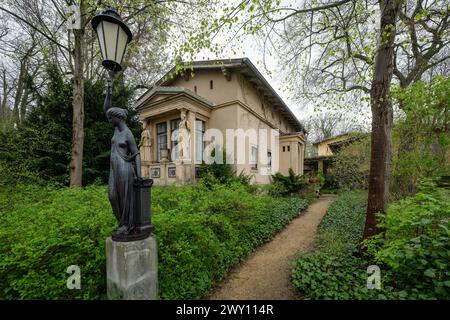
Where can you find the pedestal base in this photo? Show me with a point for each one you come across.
(132, 269)
(140, 234)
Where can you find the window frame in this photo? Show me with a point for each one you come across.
(254, 158)
(202, 135)
(159, 135)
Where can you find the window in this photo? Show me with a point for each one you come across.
(254, 159)
(199, 145)
(284, 148)
(174, 125)
(211, 84)
(289, 148)
(161, 132)
(269, 161)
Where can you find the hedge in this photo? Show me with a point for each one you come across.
(201, 234)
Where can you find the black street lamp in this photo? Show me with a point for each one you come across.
(113, 36)
(129, 193)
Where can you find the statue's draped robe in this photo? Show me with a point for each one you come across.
(145, 146)
(121, 179)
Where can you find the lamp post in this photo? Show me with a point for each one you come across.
(113, 36)
(131, 251)
(129, 193)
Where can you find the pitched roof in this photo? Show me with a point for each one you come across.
(346, 136)
(343, 135)
(170, 90)
(245, 68)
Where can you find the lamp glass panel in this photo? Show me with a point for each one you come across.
(101, 40)
(121, 45)
(110, 30)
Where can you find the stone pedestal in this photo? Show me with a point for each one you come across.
(183, 172)
(132, 269)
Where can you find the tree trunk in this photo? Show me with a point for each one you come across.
(4, 99)
(20, 88)
(382, 117)
(24, 100)
(76, 163)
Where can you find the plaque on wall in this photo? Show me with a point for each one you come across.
(155, 172)
(172, 172)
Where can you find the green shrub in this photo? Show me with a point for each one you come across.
(412, 251)
(350, 167)
(414, 248)
(19, 173)
(288, 185)
(330, 183)
(420, 138)
(40, 144)
(44, 231)
(245, 179)
(217, 173)
(201, 234)
(214, 173)
(321, 275)
(210, 230)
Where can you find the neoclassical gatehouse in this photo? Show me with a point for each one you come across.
(325, 150)
(213, 102)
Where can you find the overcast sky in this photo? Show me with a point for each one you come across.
(249, 49)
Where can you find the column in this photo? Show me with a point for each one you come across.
(292, 156)
(191, 166)
(320, 166)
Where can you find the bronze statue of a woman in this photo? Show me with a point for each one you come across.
(124, 169)
(125, 179)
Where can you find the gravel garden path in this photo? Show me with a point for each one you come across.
(266, 273)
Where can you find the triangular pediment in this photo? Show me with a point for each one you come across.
(159, 95)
